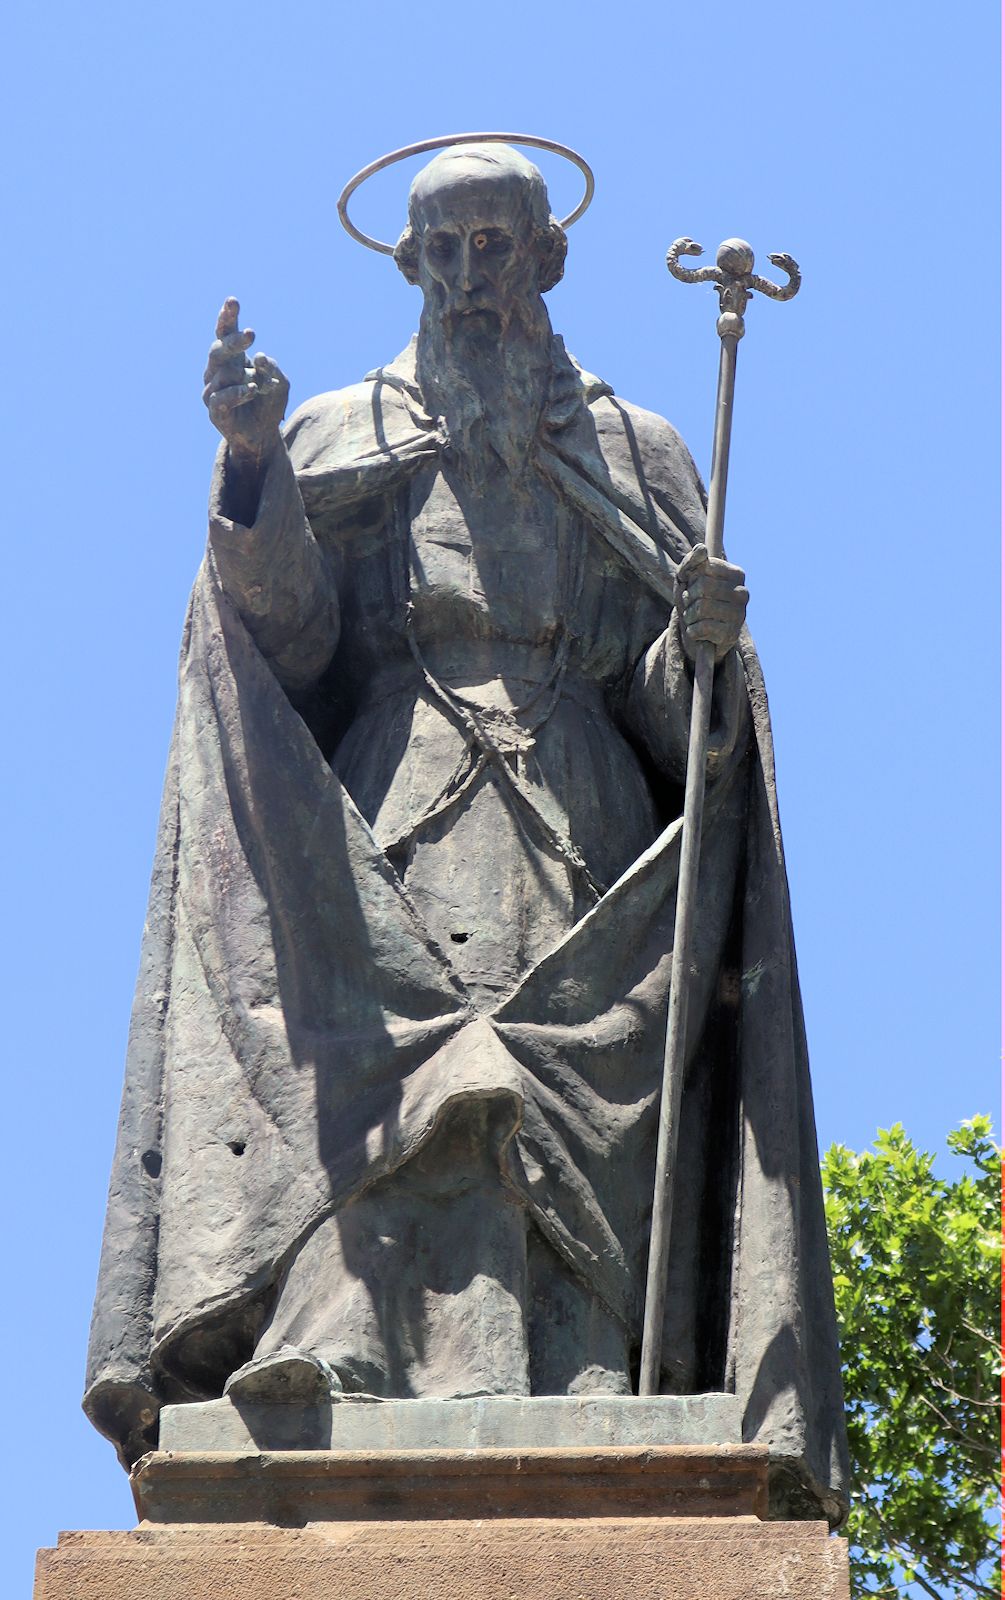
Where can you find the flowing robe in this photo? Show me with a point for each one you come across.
(313, 1005)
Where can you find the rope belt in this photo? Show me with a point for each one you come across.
(499, 738)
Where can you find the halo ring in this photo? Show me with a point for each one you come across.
(442, 144)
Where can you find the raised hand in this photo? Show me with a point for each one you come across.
(711, 602)
(245, 399)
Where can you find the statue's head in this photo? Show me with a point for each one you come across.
(481, 238)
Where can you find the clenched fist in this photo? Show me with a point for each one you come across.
(711, 602)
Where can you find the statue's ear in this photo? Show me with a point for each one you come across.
(552, 245)
(406, 255)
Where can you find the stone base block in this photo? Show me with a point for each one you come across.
(609, 1523)
(291, 1488)
(491, 1422)
(635, 1558)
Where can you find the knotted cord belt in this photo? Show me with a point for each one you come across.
(494, 737)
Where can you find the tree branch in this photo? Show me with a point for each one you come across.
(973, 1445)
(963, 1399)
(979, 1334)
(984, 1591)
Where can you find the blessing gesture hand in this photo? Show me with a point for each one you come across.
(246, 400)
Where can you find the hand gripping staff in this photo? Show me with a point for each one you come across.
(735, 282)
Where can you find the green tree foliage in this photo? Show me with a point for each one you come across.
(916, 1278)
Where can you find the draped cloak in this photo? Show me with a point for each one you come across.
(297, 1034)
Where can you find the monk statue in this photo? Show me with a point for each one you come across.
(391, 1098)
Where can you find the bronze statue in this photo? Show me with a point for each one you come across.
(390, 1112)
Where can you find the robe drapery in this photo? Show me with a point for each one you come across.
(298, 1034)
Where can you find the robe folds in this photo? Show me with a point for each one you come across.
(298, 1034)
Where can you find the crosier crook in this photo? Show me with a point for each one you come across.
(735, 282)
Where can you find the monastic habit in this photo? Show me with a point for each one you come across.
(390, 1107)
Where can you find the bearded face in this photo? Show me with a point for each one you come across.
(477, 264)
(480, 245)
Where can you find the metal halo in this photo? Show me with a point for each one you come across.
(442, 144)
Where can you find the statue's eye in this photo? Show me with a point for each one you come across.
(481, 240)
(441, 246)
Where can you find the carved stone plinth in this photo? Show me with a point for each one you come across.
(489, 1422)
(535, 1524)
(291, 1488)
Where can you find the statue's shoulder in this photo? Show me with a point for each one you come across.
(645, 446)
(331, 427)
(653, 443)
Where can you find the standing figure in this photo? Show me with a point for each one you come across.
(390, 1109)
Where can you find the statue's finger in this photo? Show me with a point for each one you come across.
(239, 394)
(717, 575)
(265, 367)
(697, 555)
(219, 380)
(229, 350)
(716, 633)
(221, 374)
(725, 571)
(226, 322)
(710, 612)
(224, 400)
(715, 593)
(696, 586)
(215, 387)
(695, 561)
(702, 585)
(711, 605)
(232, 344)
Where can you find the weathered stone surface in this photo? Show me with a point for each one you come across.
(291, 1488)
(492, 1422)
(389, 1123)
(602, 1559)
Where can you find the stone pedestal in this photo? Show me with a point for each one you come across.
(531, 1559)
(606, 1523)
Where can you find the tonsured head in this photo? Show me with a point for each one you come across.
(480, 235)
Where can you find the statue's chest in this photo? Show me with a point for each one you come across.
(490, 558)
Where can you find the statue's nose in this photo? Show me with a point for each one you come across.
(471, 274)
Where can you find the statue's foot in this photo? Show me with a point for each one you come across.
(289, 1377)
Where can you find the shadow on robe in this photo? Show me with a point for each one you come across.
(297, 1036)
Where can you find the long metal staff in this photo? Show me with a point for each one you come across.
(735, 280)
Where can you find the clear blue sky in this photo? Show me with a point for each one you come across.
(160, 158)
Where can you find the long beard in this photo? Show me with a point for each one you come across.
(487, 379)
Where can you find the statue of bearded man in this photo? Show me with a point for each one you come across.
(391, 1099)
